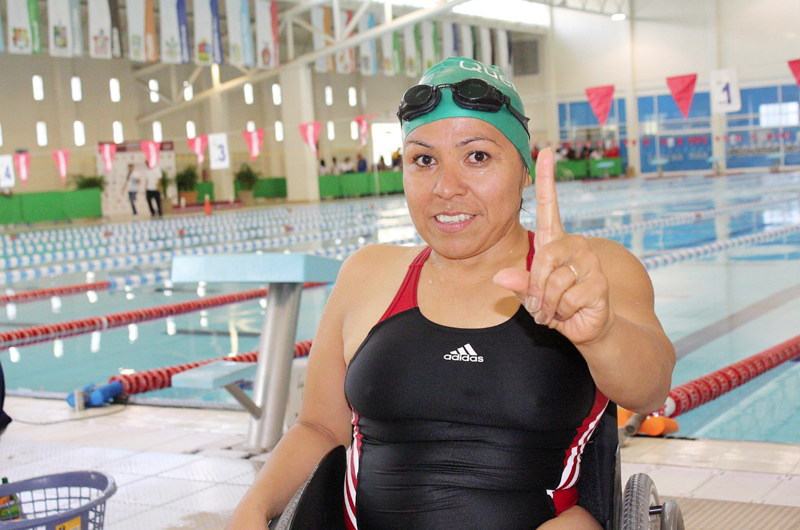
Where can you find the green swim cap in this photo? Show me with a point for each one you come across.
(454, 69)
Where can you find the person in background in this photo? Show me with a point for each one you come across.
(347, 165)
(323, 169)
(361, 163)
(612, 151)
(4, 418)
(152, 185)
(596, 154)
(336, 168)
(397, 159)
(382, 165)
(132, 183)
(535, 152)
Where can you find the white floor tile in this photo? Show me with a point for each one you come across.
(737, 486)
(221, 499)
(157, 491)
(210, 470)
(786, 493)
(148, 463)
(673, 481)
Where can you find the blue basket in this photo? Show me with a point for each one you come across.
(66, 501)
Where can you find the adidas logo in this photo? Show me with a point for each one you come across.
(464, 353)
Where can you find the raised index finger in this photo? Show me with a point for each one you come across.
(548, 218)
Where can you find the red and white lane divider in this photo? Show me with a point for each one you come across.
(41, 294)
(159, 378)
(49, 332)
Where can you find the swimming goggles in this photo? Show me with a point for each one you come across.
(470, 94)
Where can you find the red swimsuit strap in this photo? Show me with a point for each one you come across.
(406, 297)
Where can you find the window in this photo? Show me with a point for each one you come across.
(279, 130)
(118, 136)
(251, 126)
(354, 130)
(153, 84)
(191, 132)
(351, 96)
(38, 88)
(248, 93)
(41, 133)
(328, 96)
(80, 133)
(276, 94)
(113, 85)
(779, 114)
(157, 135)
(331, 131)
(188, 92)
(77, 93)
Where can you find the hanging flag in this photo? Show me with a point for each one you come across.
(310, 134)
(22, 161)
(107, 153)
(2, 39)
(218, 152)
(197, 145)
(449, 40)
(151, 150)
(430, 43)
(59, 28)
(724, 91)
(141, 31)
(116, 29)
(794, 66)
(176, 48)
(467, 41)
(363, 128)
(61, 157)
(485, 40)
(6, 171)
(322, 19)
(267, 50)
(503, 52)
(99, 29)
(412, 51)
(600, 100)
(346, 59)
(390, 48)
(208, 41)
(77, 27)
(24, 35)
(682, 88)
(254, 141)
(240, 36)
(368, 57)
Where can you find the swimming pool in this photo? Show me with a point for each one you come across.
(718, 308)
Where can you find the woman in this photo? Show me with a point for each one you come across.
(471, 398)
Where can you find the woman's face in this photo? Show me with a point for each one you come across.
(463, 181)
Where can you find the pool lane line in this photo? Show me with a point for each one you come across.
(697, 339)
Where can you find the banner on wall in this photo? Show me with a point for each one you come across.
(59, 28)
(254, 141)
(310, 134)
(267, 50)
(430, 44)
(368, 57)
(207, 37)
(151, 150)
(2, 38)
(141, 31)
(24, 35)
(682, 89)
(467, 48)
(219, 156)
(449, 40)
(99, 29)
(724, 91)
(107, 153)
(794, 66)
(600, 100)
(61, 156)
(22, 161)
(485, 45)
(197, 145)
(502, 49)
(6, 171)
(346, 59)
(176, 48)
(240, 36)
(392, 58)
(322, 19)
(413, 56)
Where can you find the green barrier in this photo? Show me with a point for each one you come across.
(605, 167)
(270, 188)
(50, 206)
(203, 188)
(84, 203)
(356, 185)
(330, 187)
(11, 209)
(390, 181)
(572, 169)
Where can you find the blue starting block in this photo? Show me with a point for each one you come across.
(285, 274)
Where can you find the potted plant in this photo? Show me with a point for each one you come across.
(247, 178)
(83, 182)
(186, 179)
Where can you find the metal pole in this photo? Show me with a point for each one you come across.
(275, 355)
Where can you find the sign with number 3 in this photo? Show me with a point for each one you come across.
(725, 96)
(218, 153)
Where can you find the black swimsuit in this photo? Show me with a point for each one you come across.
(464, 428)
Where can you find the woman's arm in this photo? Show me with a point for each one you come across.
(323, 424)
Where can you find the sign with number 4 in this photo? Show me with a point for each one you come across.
(6, 171)
(218, 154)
(725, 96)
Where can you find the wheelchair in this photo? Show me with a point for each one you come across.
(319, 503)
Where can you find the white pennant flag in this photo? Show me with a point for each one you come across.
(267, 50)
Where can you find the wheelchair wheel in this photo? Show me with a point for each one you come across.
(671, 516)
(640, 495)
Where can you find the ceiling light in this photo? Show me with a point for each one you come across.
(618, 17)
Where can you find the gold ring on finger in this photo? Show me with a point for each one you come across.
(575, 272)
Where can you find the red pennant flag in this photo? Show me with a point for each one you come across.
(150, 150)
(794, 66)
(310, 133)
(363, 128)
(198, 146)
(22, 162)
(61, 157)
(682, 88)
(600, 99)
(254, 141)
(108, 151)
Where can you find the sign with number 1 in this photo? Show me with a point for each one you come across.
(725, 96)
(6, 171)
(218, 153)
